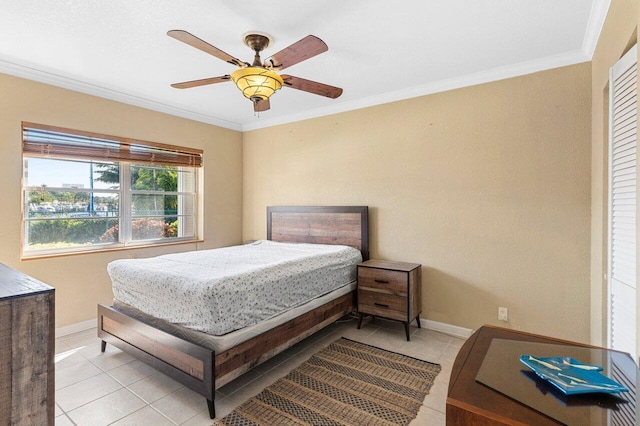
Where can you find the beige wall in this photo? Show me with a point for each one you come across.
(81, 281)
(492, 188)
(618, 35)
(488, 187)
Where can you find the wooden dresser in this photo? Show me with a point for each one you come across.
(27, 339)
(390, 290)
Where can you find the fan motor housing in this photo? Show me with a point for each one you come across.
(257, 42)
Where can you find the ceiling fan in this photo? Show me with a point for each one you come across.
(258, 80)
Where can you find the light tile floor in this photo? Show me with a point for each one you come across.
(113, 388)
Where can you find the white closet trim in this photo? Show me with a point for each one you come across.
(623, 118)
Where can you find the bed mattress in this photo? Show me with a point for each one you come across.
(227, 341)
(222, 290)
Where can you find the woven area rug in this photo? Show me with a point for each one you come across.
(347, 383)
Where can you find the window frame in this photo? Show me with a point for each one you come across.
(130, 216)
(156, 155)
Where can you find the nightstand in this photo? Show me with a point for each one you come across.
(390, 290)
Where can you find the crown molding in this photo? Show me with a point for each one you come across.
(482, 77)
(48, 77)
(599, 10)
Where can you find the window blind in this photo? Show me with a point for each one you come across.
(56, 142)
(622, 203)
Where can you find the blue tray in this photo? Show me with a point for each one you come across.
(571, 376)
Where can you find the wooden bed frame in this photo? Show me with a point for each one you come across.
(200, 368)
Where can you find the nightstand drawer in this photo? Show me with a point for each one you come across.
(394, 282)
(393, 307)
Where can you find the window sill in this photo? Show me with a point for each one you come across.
(108, 250)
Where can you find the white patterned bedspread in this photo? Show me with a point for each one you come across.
(221, 290)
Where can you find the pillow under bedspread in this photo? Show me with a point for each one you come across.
(221, 290)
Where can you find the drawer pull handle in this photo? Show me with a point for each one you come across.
(381, 304)
(382, 281)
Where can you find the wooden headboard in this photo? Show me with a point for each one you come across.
(344, 225)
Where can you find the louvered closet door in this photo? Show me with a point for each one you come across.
(622, 203)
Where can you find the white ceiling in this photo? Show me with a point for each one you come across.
(379, 50)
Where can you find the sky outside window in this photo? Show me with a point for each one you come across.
(62, 173)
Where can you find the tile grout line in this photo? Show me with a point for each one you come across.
(94, 400)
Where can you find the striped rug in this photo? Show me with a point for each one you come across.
(347, 383)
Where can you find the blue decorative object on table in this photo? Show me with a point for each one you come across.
(571, 376)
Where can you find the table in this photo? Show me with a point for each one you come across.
(470, 402)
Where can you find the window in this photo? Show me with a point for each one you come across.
(87, 192)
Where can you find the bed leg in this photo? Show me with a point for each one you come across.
(360, 321)
(212, 408)
(103, 346)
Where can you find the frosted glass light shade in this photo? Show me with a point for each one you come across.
(256, 83)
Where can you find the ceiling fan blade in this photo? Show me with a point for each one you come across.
(306, 48)
(194, 41)
(311, 86)
(260, 106)
(203, 82)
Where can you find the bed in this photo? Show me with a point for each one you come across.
(203, 362)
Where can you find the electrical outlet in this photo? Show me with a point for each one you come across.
(503, 314)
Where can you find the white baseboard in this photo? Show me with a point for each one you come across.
(452, 330)
(75, 328)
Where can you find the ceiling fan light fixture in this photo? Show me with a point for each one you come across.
(256, 83)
